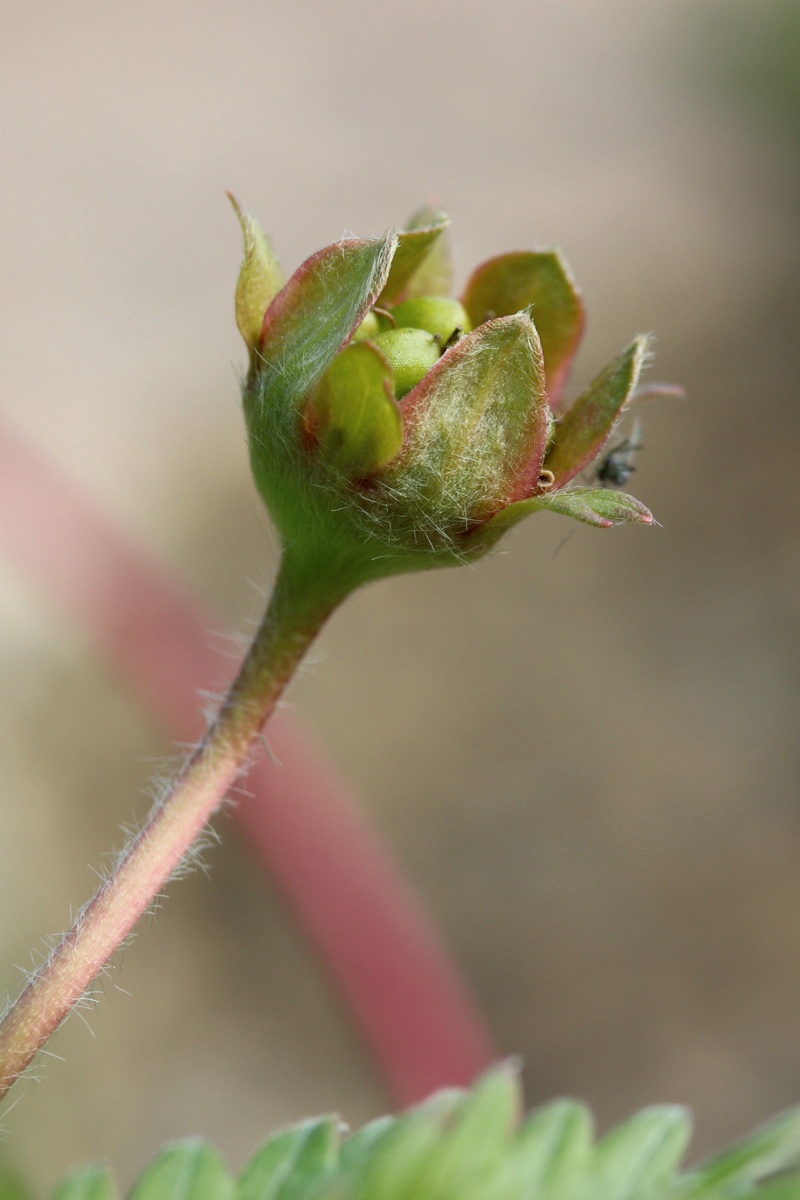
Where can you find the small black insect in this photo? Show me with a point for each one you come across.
(617, 467)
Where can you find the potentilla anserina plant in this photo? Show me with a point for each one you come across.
(394, 428)
(391, 428)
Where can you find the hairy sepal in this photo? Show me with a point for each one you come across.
(594, 506)
(478, 423)
(597, 506)
(414, 245)
(434, 277)
(260, 278)
(539, 280)
(316, 313)
(586, 427)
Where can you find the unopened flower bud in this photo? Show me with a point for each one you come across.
(393, 428)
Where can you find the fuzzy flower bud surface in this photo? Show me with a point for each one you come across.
(394, 428)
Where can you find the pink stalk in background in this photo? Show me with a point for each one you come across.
(298, 819)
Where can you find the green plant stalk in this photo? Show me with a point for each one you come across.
(299, 606)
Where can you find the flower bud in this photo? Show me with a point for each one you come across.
(392, 427)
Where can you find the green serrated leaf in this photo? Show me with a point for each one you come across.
(393, 1171)
(775, 1147)
(86, 1183)
(413, 247)
(260, 278)
(552, 1152)
(481, 1132)
(292, 1165)
(784, 1187)
(188, 1170)
(538, 280)
(435, 276)
(638, 1160)
(361, 1146)
(583, 430)
(12, 1185)
(357, 419)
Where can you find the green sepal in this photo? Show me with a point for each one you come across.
(583, 430)
(356, 416)
(478, 423)
(594, 505)
(187, 1170)
(260, 278)
(638, 1160)
(316, 312)
(775, 1147)
(293, 1164)
(414, 245)
(539, 280)
(434, 277)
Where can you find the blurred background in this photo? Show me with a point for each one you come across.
(584, 752)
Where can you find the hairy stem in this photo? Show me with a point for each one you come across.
(299, 819)
(292, 620)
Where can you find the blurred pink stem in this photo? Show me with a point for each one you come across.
(404, 990)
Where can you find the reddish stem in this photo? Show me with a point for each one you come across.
(301, 822)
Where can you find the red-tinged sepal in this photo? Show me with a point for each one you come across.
(594, 506)
(597, 506)
(477, 425)
(585, 428)
(317, 311)
(539, 280)
(260, 278)
(415, 246)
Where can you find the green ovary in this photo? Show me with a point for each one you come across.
(411, 353)
(436, 314)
